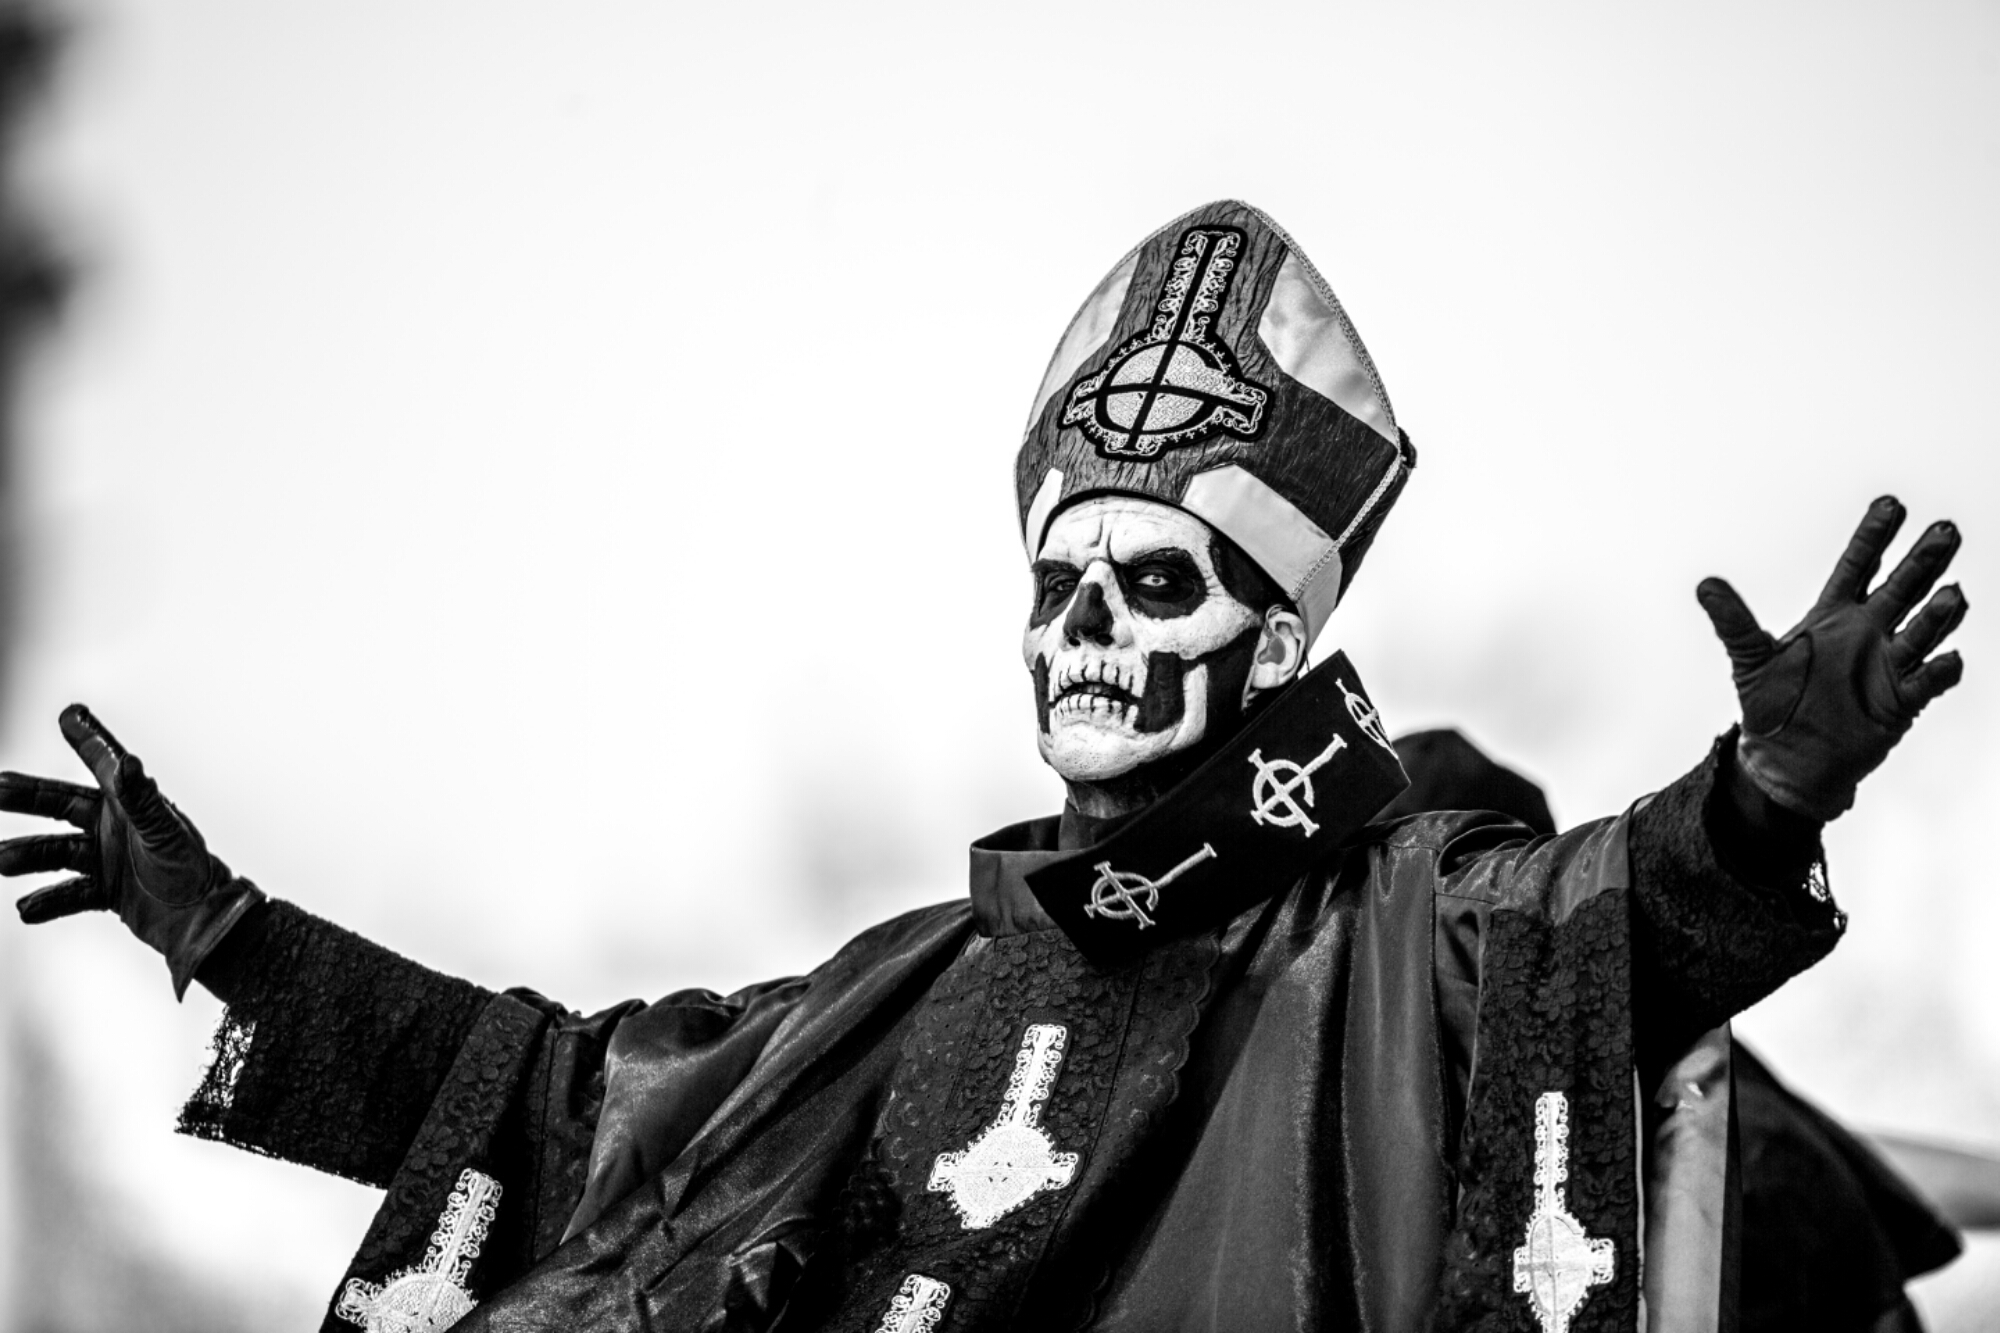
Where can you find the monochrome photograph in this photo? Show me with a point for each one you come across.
(675, 668)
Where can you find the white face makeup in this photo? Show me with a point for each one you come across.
(1128, 603)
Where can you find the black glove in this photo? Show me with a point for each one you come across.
(137, 855)
(1823, 706)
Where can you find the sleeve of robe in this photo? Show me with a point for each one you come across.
(1573, 964)
(1716, 925)
(341, 1055)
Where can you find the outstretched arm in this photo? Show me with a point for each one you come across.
(1726, 861)
(1729, 901)
(351, 1042)
(134, 853)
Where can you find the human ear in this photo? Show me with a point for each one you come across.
(1281, 652)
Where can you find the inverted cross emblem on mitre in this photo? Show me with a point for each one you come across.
(1013, 1158)
(1557, 1264)
(1176, 383)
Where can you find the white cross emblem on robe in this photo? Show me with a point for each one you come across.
(432, 1296)
(1557, 1264)
(1012, 1160)
(917, 1306)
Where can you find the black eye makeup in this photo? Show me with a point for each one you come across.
(1055, 582)
(1162, 584)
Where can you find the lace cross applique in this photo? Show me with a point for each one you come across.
(918, 1307)
(1013, 1159)
(432, 1296)
(1557, 1264)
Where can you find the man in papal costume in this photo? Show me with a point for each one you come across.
(1212, 1049)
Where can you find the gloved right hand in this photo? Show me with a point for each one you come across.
(136, 854)
(1823, 706)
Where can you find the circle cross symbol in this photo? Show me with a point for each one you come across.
(1365, 716)
(1275, 793)
(1282, 789)
(1116, 895)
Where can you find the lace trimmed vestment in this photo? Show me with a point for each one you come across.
(1321, 1115)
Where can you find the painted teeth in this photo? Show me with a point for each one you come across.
(1107, 711)
(1095, 703)
(1069, 675)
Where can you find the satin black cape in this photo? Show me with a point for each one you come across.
(1341, 1132)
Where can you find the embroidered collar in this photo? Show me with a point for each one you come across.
(1306, 772)
(1002, 902)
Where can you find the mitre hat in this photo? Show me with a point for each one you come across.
(1214, 370)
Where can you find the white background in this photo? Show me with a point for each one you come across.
(534, 480)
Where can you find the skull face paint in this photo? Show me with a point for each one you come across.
(1132, 635)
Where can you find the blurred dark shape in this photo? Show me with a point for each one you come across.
(1449, 772)
(1830, 1232)
(33, 280)
(80, 1267)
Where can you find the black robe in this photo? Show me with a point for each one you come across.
(1318, 1113)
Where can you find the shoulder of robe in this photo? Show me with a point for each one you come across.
(702, 1015)
(1434, 846)
(1479, 856)
(1451, 835)
(898, 941)
(913, 933)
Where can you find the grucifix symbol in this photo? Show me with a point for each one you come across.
(1556, 1264)
(1115, 895)
(432, 1296)
(1280, 786)
(1176, 383)
(1012, 1160)
(917, 1306)
(1365, 716)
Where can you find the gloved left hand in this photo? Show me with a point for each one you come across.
(136, 855)
(1823, 706)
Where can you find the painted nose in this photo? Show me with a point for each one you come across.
(1089, 616)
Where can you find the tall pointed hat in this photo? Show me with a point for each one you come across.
(1214, 370)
